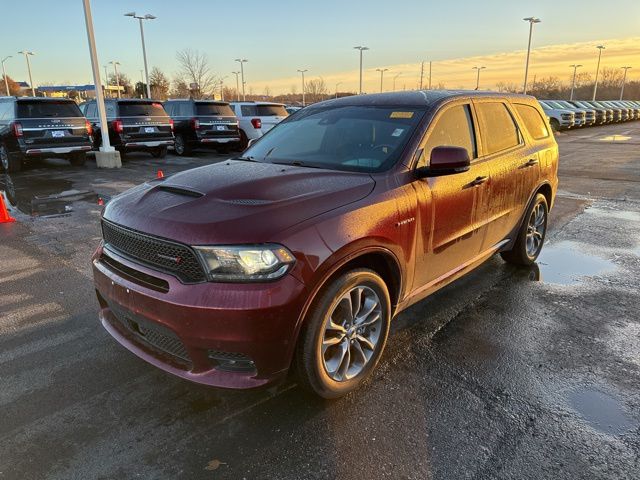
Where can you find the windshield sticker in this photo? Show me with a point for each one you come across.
(401, 115)
(397, 132)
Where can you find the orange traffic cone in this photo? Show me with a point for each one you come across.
(4, 214)
(160, 174)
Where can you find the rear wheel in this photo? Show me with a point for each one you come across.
(159, 152)
(181, 146)
(244, 141)
(531, 236)
(78, 159)
(11, 162)
(345, 334)
(555, 125)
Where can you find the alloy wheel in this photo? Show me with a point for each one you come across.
(536, 229)
(351, 334)
(179, 145)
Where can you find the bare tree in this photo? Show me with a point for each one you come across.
(610, 77)
(195, 68)
(159, 84)
(267, 91)
(316, 90)
(179, 88)
(508, 87)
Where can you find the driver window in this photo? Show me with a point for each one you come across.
(454, 128)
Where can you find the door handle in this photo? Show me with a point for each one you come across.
(531, 162)
(479, 181)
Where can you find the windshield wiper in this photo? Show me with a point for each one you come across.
(245, 159)
(298, 163)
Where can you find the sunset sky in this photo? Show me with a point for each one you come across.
(281, 36)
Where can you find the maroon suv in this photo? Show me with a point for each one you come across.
(303, 249)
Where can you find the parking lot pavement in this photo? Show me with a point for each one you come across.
(507, 373)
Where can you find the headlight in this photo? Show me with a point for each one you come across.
(245, 263)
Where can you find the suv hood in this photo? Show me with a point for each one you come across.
(235, 201)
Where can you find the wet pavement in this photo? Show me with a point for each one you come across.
(507, 373)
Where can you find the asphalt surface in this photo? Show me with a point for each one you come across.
(506, 373)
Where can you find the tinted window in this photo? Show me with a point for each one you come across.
(533, 122)
(213, 109)
(39, 109)
(6, 111)
(499, 131)
(92, 110)
(354, 138)
(141, 109)
(168, 107)
(248, 110)
(271, 111)
(453, 128)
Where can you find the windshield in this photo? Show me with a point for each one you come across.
(39, 109)
(213, 109)
(142, 109)
(353, 138)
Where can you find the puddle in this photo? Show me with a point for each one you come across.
(43, 197)
(600, 410)
(563, 263)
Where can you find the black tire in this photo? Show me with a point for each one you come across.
(159, 152)
(11, 162)
(523, 251)
(223, 149)
(555, 125)
(123, 154)
(181, 147)
(310, 358)
(78, 159)
(244, 141)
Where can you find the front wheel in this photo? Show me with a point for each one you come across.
(531, 236)
(555, 125)
(345, 334)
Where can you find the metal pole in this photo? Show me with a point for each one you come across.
(526, 67)
(4, 74)
(624, 79)
(115, 69)
(244, 97)
(573, 83)
(303, 87)
(33, 88)
(595, 85)
(429, 74)
(144, 56)
(337, 84)
(478, 76)
(394, 80)
(106, 146)
(237, 86)
(360, 90)
(421, 74)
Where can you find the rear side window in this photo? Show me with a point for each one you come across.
(499, 131)
(532, 120)
(271, 111)
(454, 128)
(6, 111)
(213, 109)
(142, 109)
(248, 110)
(91, 110)
(48, 109)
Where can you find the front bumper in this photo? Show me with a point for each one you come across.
(255, 322)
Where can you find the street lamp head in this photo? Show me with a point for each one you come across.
(148, 16)
(302, 71)
(361, 48)
(25, 52)
(130, 14)
(532, 20)
(241, 60)
(601, 47)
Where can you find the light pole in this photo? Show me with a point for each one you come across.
(337, 85)
(381, 70)
(595, 85)
(4, 74)
(222, 87)
(362, 49)
(394, 80)
(237, 74)
(115, 69)
(106, 156)
(242, 61)
(573, 83)
(27, 54)
(624, 80)
(478, 76)
(144, 48)
(531, 21)
(303, 88)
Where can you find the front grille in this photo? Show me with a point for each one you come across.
(175, 258)
(155, 336)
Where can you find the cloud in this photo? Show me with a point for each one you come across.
(551, 60)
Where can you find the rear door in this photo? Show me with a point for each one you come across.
(144, 121)
(270, 115)
(50, 123)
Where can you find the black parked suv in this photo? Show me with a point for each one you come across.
(199, 123)
(42, 127)
(134, 125)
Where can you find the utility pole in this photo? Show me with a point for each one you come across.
(595, 85)
(531, 21)
(624, 80)
(4, 74)
(303, 85)
(573, 83)
(361, 48)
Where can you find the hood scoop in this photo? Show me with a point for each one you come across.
(178, 190)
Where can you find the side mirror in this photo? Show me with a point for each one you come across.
(445, 160)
